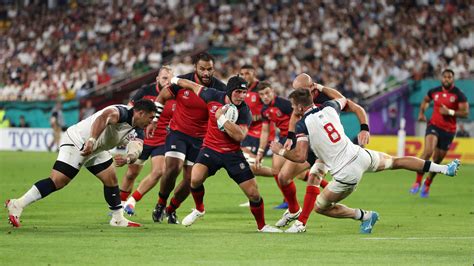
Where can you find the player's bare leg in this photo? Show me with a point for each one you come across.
(112, 197)
(438, 157)
(128, 179)
(172, 170)
(149, 182)
(198, 176)
(181, 193)
(430, 145)
(327, 204)
(250, 189)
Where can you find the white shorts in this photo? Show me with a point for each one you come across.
(348, 177)
(71, 155)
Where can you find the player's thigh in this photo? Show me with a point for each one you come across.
(431, 141)
(277, 163)
(175, 146)
(236, 166)
(332, 194)
(291, 169)
(439, 155)
(445, 139)
(101, 165)
(250, 188)
(207, 164)
(158, 160)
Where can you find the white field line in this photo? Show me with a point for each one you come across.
(421, 238)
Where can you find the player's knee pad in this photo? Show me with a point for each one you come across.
(322, 203)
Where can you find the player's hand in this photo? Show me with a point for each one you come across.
(88, 148)
(258, 160)
(275, 146)
(288, 144)
(421, 117)
(363, 138)
(150, 129)
(220, 111)
(120, 160)
(444, 110)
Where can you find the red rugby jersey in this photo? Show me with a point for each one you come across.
(451, 99)
(191, 115)
(255, 104)
(279, 112)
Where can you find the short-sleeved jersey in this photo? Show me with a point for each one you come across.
(215, 139)
(451, 99)
(255, 104)
(112, 136)
(150, 92)
(322, 127)
(279, 112)
(191, 116)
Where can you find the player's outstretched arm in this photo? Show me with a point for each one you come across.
(187, 84)
(364, 134)
(109, 116)
(463, 110)
(297, 155)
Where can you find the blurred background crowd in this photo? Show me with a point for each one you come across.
(65, 49)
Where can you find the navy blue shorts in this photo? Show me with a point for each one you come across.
(251, 143)
(151, 151)
(234, 163)
(444, 138)
(311, 159)
(182, 146)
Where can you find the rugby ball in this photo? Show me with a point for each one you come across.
(232, 114)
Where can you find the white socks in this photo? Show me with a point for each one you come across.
(365, 215)
(437, 168)
(29, 197)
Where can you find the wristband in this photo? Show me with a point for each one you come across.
(451, 112)
(222, 119)
(364, 127)
(281, 152)
(319, 87)
(93, 140)
(291, 135)
(174, 80)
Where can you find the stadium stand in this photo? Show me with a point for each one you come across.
(361, 48)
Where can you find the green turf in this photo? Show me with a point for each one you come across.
(71, 226)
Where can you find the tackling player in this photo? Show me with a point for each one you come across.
(449, 103)
(221, 149)
(322, 131)
(87, 144)
(187, 129)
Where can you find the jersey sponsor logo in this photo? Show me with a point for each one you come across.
(254, 98)
(173, 147)
(242, 166)
(452, 99)
(206, 155)
(278, 113)
(186, 94)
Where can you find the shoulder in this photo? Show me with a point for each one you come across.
(125, 113)
(218, 85)
(459, 93)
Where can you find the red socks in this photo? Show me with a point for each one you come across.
(323, 183)
(419, 177)
(174, 204)
(124, 195)
(289, 191)
(258, 212)
(312, 193)
(428, 181)
(198, 196)
(162, 199)
(137, 195)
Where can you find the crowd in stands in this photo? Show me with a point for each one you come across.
(359, 47)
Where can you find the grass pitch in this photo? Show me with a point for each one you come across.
(71, 226)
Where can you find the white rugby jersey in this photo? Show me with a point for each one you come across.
(322, 127)
(112, 136)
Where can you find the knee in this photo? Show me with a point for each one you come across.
(322, 204)
(283, 179)
(60, 182)
(156, 173)
(172, 171)
(132, 173)
(253, 195)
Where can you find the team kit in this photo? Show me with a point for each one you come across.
(195, 124)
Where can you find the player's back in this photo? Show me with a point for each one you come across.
(328, 139)
(111, 136)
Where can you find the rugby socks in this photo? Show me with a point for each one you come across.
(258, 211)
(162, 199)
(323, 183)
(112, 197)
(198, 196)
(312, 193)
(124, 195)
(419, 177)
(39, 190)
(137, 196)
(437, 168)
(174, 204)
(362, 215)
(428, 181)
(289, 191)
(276, 180)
